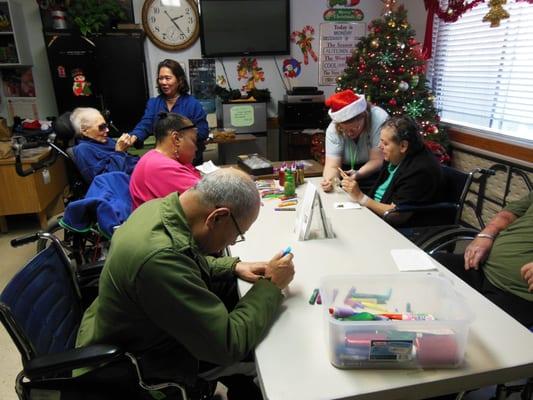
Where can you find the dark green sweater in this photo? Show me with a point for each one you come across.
(155, 299)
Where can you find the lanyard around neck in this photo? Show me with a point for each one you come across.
(353, 153)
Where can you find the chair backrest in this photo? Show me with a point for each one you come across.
(455, 182)
(40, 307)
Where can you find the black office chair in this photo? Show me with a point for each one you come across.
(41, 309)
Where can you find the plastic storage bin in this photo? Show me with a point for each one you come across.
(435, 337)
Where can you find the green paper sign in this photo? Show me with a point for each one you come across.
(242, 115)
(343, 14)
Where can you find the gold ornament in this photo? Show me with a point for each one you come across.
(496, 13)
(392, 24)
(374, 43)
(405, 25)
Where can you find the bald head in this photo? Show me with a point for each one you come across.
(232, 188)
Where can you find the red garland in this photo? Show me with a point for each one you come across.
(457, 8)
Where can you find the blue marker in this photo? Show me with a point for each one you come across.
(286, 251)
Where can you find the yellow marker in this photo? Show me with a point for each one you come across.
(288, 203)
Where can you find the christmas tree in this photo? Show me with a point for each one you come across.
(389, 68)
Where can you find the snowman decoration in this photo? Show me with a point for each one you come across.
(80, 87)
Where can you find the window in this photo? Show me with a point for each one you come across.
(482, 77)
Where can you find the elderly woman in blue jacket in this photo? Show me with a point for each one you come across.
(173, 97)
(95, 153)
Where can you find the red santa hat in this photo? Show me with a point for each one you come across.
(345, 105)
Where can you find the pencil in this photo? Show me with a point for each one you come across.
(343, 174)
(285, 209)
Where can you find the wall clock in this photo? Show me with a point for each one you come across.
(171, 27)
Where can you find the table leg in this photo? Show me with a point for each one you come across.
(3, 224)
(43, 219)
(221, 154)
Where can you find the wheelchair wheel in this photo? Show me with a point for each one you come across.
(81, 248)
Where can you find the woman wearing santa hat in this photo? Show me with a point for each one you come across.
(352, 139)
(411, 174)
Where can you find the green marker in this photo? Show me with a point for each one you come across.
(313, 297)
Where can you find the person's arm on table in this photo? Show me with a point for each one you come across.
(171, 290)
(478, 250)
(330, 173)
(350, 186)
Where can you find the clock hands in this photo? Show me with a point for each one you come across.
(173, 21)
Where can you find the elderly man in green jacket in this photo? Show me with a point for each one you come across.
(163, 299)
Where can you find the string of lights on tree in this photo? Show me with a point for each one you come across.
(389, 68)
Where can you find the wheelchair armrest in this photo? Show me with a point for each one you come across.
(421, 207)
(70, 360)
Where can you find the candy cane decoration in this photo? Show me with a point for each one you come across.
(303, 39)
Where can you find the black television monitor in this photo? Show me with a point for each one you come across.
(244, 27)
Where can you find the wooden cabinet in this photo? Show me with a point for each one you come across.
(30, 194)
(294, 120)
(14, 50)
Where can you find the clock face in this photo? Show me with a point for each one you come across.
(171, 27)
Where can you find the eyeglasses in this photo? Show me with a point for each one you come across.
(241, 237)
(103, 127)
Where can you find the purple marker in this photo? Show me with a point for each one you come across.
(342, 311)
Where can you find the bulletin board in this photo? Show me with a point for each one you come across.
(337, 43)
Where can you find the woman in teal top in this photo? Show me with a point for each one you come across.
(411, 173)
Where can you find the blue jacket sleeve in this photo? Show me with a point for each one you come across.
(145, 126)
(198, 116)
(92, 161)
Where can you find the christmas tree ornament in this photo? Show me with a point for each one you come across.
(374, 43)
(401, 69)
(375, 79)
(393, 102)
(414, 81)
(386, 58)
(403, 86)
(392, 23)
(414, 108)
(496, 13)
(400, 45)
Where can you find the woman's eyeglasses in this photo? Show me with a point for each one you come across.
(103, 127)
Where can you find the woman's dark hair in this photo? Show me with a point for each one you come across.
(177, 71)
(170, 122)
(405, 128)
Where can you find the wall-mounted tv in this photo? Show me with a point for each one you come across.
(244, 27)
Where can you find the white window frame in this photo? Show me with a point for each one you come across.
(491, 57)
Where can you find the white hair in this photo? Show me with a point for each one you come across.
(83, 117)
(227, 187)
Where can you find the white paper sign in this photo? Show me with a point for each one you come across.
(337, 42)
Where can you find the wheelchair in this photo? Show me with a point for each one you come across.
(84, 246)
(41, 309)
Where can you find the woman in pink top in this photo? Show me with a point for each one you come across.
(167, 168)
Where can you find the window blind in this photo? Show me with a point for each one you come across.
(482, 77)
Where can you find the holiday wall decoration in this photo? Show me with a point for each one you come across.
(249, 70)
(292, 67)
(389, 68)
(304, 39)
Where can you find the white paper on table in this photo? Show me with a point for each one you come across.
(207, 167)
(412, 260)
(346, 205)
